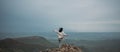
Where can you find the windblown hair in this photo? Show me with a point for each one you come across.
(60, 29)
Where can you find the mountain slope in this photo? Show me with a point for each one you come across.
(25, 44)
(11, 45)
(38, 40)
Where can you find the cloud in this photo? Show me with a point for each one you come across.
(76, 15)
(93, 26)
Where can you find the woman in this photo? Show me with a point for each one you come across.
(60, 34)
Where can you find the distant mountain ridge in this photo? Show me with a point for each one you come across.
(35, 40)
(72, 35)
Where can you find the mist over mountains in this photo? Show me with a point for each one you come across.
(35, 42)
(39, 43)
(71, 35)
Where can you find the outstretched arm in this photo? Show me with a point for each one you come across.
(65, 34)
(56, 31)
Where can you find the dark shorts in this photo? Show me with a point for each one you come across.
(60, 38)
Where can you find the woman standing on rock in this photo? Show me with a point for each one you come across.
(60, 34)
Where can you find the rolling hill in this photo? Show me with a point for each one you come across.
(24, 44)
(38, 40)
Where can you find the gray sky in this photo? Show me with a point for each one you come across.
(46, 15)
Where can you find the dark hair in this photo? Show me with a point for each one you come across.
(60, 29)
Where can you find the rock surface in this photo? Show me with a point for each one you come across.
(64, 48)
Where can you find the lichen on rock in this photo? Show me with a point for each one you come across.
(65, 48)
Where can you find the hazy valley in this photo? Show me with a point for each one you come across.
(88, 43)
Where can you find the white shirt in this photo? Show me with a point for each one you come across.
(60, 34)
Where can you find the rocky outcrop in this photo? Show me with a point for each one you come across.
(64, 48)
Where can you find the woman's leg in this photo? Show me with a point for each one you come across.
(60, 39)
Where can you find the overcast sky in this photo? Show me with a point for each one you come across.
(72, 15)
